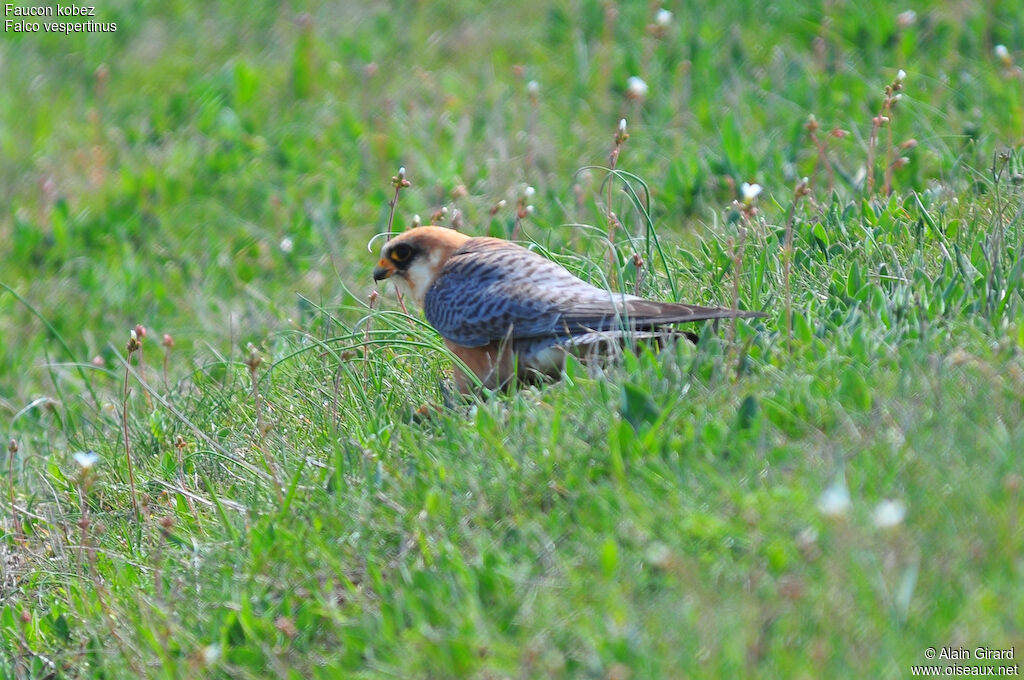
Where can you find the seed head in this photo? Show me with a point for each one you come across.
(620, 134)
(803, 187)
(254, 360)
(399, 181)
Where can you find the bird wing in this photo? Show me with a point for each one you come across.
(490, 290)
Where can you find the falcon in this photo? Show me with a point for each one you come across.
(507, 312)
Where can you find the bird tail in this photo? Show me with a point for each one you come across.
(641, 314)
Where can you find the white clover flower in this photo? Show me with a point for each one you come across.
(663, 18)
(533, 88)
(835, 500)
(636, 88)
(906, 19)
(889, 513)
(86, 459)
(659, 554)
(750, 192)
(287, 245)
(211, 653)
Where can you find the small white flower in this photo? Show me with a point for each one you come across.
(663, 18)
(1002, 54)
(901, 75)
(906, 19)
(636, 88)
(835, 500)
(529, 192)
(86, 459)
(211, 653)
(622, 125)
(889, 513)
(659, 554)
(533, 88)
(750, 192)
(287, 245)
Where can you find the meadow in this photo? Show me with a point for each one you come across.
(217, 463)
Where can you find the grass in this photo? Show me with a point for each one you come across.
(263, 502)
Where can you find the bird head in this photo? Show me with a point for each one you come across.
(413, 259)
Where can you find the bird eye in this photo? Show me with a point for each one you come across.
(401, 253)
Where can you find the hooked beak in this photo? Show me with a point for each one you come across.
(383, 270)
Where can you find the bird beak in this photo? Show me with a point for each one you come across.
(383, 270)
